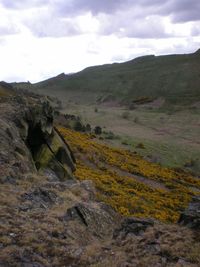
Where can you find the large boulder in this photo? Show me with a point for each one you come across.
(48, 148)
(28, 138)
(191, 216)
(98, 219)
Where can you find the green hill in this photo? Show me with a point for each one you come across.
(174, 77)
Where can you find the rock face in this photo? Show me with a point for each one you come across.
(49, 150)
(28, 139)
(191, 216)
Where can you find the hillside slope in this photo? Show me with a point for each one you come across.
(130, 184)
(174, 77)
(53, 220)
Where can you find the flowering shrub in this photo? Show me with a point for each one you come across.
(115, 173)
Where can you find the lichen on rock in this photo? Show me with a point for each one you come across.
(27, 121)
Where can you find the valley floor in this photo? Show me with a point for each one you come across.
(170, 138)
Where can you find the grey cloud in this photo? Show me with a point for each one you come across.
(93, 6)
(143, 19)
(129, 26)
(146, 29)
(121, 17)
(179, 10)
(53, 27)
(69, 6)
(19, 4)
(131, 14)
(185, 15)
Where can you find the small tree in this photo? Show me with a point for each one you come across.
(88, 127)
(97, 130)
(79, 127)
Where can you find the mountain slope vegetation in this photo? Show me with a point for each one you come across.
(173, 77)
(131, 185)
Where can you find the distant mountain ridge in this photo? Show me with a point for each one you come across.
(173, 77)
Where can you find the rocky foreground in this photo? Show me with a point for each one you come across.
(48, 218)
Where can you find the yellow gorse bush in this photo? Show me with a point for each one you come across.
(162, 193)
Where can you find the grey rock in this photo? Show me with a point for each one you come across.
(132, 226)
(191, 216)
(29, 141)
(39, 198)
(97, 219)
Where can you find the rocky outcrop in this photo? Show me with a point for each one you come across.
(191, 216)
(28, 139)
(49, 150)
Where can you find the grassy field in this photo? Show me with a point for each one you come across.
(169, 138)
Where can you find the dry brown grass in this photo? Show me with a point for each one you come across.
(39, 236)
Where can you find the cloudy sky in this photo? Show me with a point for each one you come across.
(42, 38)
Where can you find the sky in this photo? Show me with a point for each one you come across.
(42, 38)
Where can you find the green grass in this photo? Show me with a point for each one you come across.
(170, 138)
(168, 154)
(174, 77)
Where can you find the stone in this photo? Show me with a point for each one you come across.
(132, 226)
(191, 216)
(98, 219)
(39, 198)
